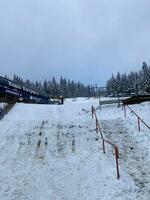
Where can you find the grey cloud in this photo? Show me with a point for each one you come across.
(80, 39)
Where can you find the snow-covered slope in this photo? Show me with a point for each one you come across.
(50, 152)
(134, 145)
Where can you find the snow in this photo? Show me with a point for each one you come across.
(39, 161)
(2, 105)
(134, 145)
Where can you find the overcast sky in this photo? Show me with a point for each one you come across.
(84, 40)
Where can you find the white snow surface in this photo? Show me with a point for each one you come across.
(134, 146)
(2, 105)
(38, 160)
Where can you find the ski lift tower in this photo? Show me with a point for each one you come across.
(99, 90)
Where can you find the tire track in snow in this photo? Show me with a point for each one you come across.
(19, 153)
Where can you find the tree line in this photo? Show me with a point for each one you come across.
(64, 87)
(132, 83)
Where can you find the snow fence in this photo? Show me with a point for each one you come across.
(99, 130)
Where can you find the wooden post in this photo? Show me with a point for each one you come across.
(92, 112)
(96, 125)
(103, 146)
(117, 164)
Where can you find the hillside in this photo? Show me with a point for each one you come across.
(53, 152)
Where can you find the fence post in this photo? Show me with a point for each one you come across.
(117, 164)
(125, 114)
(103, 146)
(98, 130)
(96, 125)
(139, 124)
(92, 112)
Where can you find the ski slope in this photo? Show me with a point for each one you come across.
(52, 152)
(134, 145)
